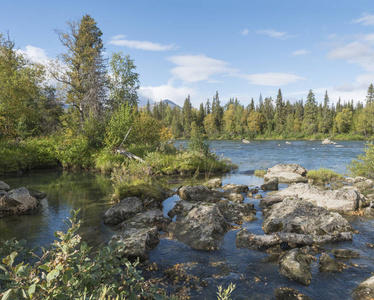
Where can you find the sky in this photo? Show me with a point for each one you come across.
(239, 48)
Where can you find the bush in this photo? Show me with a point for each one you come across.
(324, 175)
(260, 173)
(364, 164)
(70, 270)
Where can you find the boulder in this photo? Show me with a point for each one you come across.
(328, 264)
(343, 200)
(245, 239)
(364, 185)
(18, 201)
(268, 201)
(199, 193)
(295, 265)
(286, 177)
(127, 208)
(4, 186)
(234, 197)
(293, 168)
(328, 142)
(180, 209)
(213, 183)
(150, 218)
(345, 253)
(38, 195)
(237, 188)
(136, 242)
(299, 216)
(286, 293)
(365, 290)
(271, 185)
(237, 213)
(202, 228)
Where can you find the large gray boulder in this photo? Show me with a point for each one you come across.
(237, 188)
(199, 193)
(286, 293)
(291, 173)
(233, 196)
(271, 185)
(136, 242)
(4, 186)
(213, 183)
(295, 265)
(365, 290)
(328, 264)
(180, 209)
(18, 201)
(202, 228)
(294, 168)
(299, 216)
(237, 212)
(149, 218)
(343, 200)
(127, 208)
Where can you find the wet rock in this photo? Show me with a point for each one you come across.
(203, 227)
(234, 197)
(245, 239)
(127, 208)
(299, 216)
(199, 193)
(365, 290)
(295, 265)
(38, 195)
(180, 209)
(237, 213)
(237, 188)
(149, 218)
(18, 201)
(4, 186)
(213, 183)
(253, 191)
(343, 200)
(258, 196)
(328, 264)
(136, 242)
(271, 185)
(345, 253)
(286, 293)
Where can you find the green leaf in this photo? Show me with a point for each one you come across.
(6, 295)
(5, 277)
(53, 275)
(31, 290)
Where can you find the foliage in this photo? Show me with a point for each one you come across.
(118, 126)
(260, 173)
(199, 141)
(364, 164)
(225, 294)
(70, 270)
(323, 175)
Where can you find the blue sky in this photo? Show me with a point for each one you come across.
(238, 48)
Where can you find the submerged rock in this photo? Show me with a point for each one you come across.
(286, 293)
(202, 228)
(299, 216)
(18, 201)
(328, 264)
(365, 290)
(127, 208)
(136, 242)
(343, 200)
(199, 193)
(213, 183)
(345, 253)
(295, 265)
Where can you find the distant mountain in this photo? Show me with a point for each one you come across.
(170, 103)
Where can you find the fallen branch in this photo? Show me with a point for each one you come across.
(129, 154)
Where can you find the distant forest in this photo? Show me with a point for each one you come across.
(269, 118)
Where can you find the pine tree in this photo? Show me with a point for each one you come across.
(326, 115)
(279, 118)
(370, 95)
(310, 114)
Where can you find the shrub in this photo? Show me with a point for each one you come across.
(364, 164)
(70, 270)
(260, 173)
(323, 175)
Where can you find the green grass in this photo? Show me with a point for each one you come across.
(324, 175)
(260, 173)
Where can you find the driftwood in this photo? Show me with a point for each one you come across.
(129, 154)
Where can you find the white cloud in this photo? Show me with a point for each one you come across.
(120, 40)
(300, 52)
(273, 79)
(195, 68)
(244, 31)
(282, 35)
(168, 91)
(366, 19)
(35, 54)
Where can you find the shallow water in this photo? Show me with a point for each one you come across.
(254, 275)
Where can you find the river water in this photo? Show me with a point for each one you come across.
(254, 275)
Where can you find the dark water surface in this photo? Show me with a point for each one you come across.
(252, 272)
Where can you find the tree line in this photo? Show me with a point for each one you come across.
(269, 118)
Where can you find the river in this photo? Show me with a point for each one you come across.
(254, 275)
